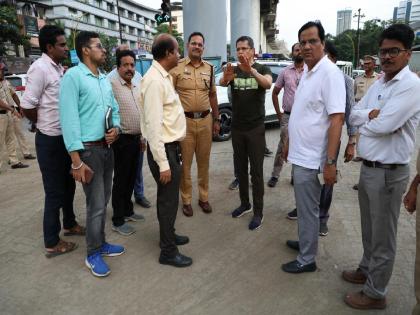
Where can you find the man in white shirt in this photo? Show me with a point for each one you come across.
(314, 135)
(163, 125)
(387, 117)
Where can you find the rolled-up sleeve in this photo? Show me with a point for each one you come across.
(351, 131)
(35, 86)
(69, 113)
(360, 113)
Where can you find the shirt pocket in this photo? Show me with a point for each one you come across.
(316, 105)
(185, 82)
(203, 81)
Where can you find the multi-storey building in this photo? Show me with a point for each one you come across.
(408, 11)
(343, 20)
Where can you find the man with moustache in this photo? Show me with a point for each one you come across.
(249, 82)
(87, 108)
(163, 125)
(40, 104)
(288, 79)
(128, 145)
(314, 136)
(194, 81)
(387, 118)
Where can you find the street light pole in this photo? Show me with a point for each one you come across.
(119, 21)
(358, 15)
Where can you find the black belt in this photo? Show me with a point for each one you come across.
(135, 137)
(98, 143)
(172, 144)
(288, 113)
(197, 115)
(3, 111)
(381, 165)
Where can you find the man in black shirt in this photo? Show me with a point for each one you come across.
(249, 82)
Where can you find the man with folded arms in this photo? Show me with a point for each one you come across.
(387, 117)
(86, 100)
(163, 125)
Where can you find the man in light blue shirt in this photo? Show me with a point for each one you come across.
(86, 99)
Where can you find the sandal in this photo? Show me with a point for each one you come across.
(61, 248)
(75, 230)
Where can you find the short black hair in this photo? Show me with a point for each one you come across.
(48, 35)
(196, 34)
(124, 53)
(318, 25)
(399, 32)
(293, 47)
(330, 49)
(247, 39)
(161, 47)
(82, 40)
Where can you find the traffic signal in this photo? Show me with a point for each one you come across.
(166, 12)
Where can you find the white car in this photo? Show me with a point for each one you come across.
(225, 106)
(18, 81)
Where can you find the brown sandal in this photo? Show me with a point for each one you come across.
(75, 230)
(61, 248)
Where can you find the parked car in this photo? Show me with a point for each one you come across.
(357, 72)
(18, 81)
(225, 106)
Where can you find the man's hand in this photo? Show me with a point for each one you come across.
(349, 153)
(244, 64)
(111, 135)
(330, 174)
(279, 116)
(143, 145)
(165, 177)
(410, 200)
(228, 73)
(80, 174)
(374, 113)
(16, 114)
(216, 128)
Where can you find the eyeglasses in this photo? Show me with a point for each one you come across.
(99, 46)
(242, 49)
(311, 42)
(392, 52)
(197, 44)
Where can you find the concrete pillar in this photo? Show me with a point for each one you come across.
(244, 20)
(209, 18)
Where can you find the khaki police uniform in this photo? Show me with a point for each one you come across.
(362, 83)
(193, 84)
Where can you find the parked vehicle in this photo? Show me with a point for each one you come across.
(225, 106)
(18, 81)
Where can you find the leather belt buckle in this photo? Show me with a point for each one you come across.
(197, 115)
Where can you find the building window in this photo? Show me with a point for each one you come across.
(98, 3)
(99, 21)
(85, 17)
(131, 30)
(132, 45)
(72, 12)
(130, 15)
(110, 7)
(112, 25)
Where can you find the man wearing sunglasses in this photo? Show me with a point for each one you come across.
(387, 117)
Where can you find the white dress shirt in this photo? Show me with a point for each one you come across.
(321, 92)
(390, 137)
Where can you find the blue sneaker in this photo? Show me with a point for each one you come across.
(111, 250)
(97, 265)
(239, 212)
(255, 223)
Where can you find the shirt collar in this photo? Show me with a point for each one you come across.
(86, 71)
(123, 82)
(188, 60)
(374, 75)
(159, 68)
(319, 63)
(48, 59)
(399, 76)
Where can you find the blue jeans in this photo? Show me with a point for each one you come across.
(101, 160)
(138, 185)
(59, 186)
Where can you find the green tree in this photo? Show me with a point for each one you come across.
(10, 29)
(164, 28)
(110, 44)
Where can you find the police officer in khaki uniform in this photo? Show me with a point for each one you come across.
(194, 81)
(364, 81)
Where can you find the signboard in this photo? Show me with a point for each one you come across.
(73, 57)
(31, 24)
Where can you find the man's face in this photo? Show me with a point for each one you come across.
(127, 68)
(243, 50)
(173, 57)
(368, 65)
(297, 53)
(59, 50)
(96, 51)
(196, 47)
(393, 56)
(311, 45)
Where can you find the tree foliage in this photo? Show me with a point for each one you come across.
(10, 28)
(110, 44)
(164, 28)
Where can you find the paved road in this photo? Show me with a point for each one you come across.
(235, 271)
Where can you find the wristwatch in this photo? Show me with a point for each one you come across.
(331, 161)
(216, 120)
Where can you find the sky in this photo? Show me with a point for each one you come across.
(292, 14)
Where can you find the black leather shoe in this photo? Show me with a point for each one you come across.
(296, 267)
(293, 244)
(143, 202)
(181, 240)
(19, 165)
(178, 260)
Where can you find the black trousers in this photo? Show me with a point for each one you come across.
(250, 145)
(59, 186)
(126, 160)
(167, 198)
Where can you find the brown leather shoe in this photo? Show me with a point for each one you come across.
(205, 206)
(361, 301)
(354, 276)
(187, 210)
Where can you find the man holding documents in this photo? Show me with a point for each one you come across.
(86, 99)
